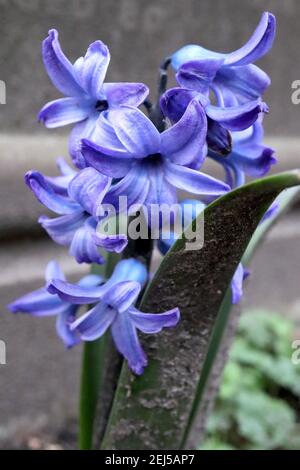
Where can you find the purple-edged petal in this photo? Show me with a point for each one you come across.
(114, 166)
(90, 280)
(136, 132)
(88, 188)
(74, 293)
(127, 342)
(135, 186)
(193, 52)
(62, 229)
(112, 243)
(198, 74)
(255, 160)
(193, 181)
(46, 195)
(83, 246)
(238, 117)
(94, 323)
(122, 295)
(175, 101)
(154, 322)
(91, 69)
(184, 141)
(63, 322)
(81, 130)
(38, 303)
(59, 68)
(258, 45)
(132, 94)
(64, 111)
(240, 84)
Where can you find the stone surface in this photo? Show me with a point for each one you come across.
(140, 34)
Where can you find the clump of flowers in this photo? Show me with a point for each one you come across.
(123, 146)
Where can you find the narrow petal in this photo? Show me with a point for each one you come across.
(44, 192)
(114, 166)
(198, 74)
(63, 322)
(184, 141)
(237, 118)
(194, 181)
(81, 130)
(94, 323)
(59, 68)
(136, 132)
(64, 167)
(88, 188)
(254, 160)
(127, 342)
(38, 303)
(237, 284)
(83, 246)
(128, 270)
(154, 322)
(132, 94)
(258, 45)
(64, 111)
(62, 229)
(193, 52)
(91, 69)
(74, 293)
(122, 295)
(112, 243)
(91, 280)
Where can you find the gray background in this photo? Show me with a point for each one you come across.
(39, 384)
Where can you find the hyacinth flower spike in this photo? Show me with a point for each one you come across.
(76, 199)
(86, 93)
(114, 308)
(40, 303)
(232, 77)
(153, 165)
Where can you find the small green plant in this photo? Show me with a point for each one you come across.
(260, 393)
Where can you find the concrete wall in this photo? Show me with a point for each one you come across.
(139, 33)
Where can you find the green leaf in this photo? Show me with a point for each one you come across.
(152, 411)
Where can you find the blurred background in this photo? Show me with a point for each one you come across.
(39, 383)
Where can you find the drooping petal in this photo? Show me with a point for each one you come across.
(127, 342)
(64, 167)
(63, 322)
(88, 188)
(245, 83)
(237, 118)
(60, 183)
(255, 160)
(218, 138)
(83, 246)
(59, 68)
(175, 101)
(258, 45)
(154, 322)
(64, 111)
(91, 280)
(134, 186)
(193, 52)
(62, 229)
(53, 271)
(198, 74)
(91, 69)
(122, 295)
(193, 181)
(132, 94)
(184, 141)
(94, 323)
(113, 166)
(128, 270)
(44, 192)
(38, 303)
(81, 130)
(136, 132)
(74, 293)
(112, 243)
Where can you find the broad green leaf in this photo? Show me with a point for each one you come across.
(152, 411)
